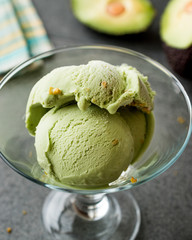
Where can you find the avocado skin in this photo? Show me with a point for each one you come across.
(180, 60)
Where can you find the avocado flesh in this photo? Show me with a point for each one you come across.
(176, 24)
(176, 34)
(136, 17)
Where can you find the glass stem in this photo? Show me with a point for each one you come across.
(91, 207)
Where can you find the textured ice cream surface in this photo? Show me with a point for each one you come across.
(97, 82)
(141, 126)
(137, 122)
(85, 149)
(90, 122)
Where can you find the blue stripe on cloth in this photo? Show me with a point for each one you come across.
(20, 24)
(35, 40)
(32, 29)
(27, 18)
(20, 5)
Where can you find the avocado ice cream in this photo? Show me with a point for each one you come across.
(94, 125)
(97, 82)
(89, 148)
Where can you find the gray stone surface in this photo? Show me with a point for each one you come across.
(165, 202)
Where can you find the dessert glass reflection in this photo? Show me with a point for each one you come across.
(75, 213)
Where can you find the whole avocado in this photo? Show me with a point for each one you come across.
(176, 34)
(114, 17)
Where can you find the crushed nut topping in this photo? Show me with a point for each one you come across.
(9, 229)
(133, 180)
(104, 84)
(146, 110)
(115, 142)
(54, 91)
(24, 212)
(51, 90)
(180, 120)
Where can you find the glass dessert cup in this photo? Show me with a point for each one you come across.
(103, 213)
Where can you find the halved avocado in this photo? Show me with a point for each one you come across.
(176, 33)
(115, 17)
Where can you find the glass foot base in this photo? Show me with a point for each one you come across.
(113, 217)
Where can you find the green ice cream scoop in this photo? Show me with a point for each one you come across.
(84, 149)
(97, 82)
(141, 126)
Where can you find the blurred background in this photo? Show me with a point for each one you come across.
(165, 202)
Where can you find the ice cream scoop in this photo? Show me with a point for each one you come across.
(90, 122)
(97, 82)
(89, 148)
(141, 126)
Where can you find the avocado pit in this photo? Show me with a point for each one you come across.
(115, 8)
(188, 7)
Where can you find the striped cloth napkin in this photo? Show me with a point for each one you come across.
(22, 34)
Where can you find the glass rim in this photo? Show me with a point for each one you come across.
(153, 62)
